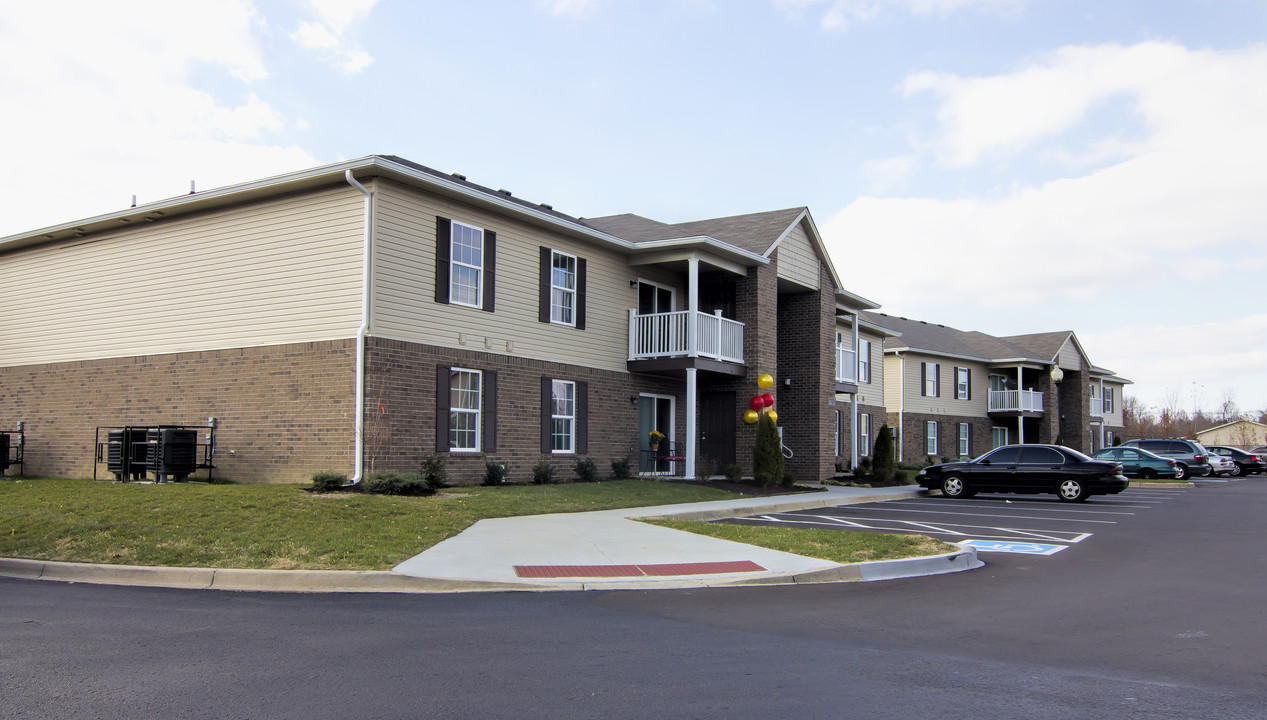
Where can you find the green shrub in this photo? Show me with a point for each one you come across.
(705, 467)
(902, 477)
(842, 466)
(390, 482)
(495, 473)
(883, 456)
(788, 479)
(767, 455)
(585, 469)
(620, 469)
(328, 481)
(433, 471)
(543, 472)
(864, 466)
(734, 472)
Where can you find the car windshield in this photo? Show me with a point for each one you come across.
(1075, 454)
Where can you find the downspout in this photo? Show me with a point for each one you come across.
(853, 399)
(358, 464)
(901, 404)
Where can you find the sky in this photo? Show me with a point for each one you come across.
(1007, 166)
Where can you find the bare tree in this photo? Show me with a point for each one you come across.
(1137, 419)
(1228, 412)
(1171, 412)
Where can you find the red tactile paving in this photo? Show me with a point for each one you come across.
(660, 570)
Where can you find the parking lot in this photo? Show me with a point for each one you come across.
(1028, 524)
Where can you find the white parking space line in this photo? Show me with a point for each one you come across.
(1063, 508)
(979, 514)
(949, 529)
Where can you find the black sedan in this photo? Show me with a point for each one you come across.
(1246, 463)
(1069, 474)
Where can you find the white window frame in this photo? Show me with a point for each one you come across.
(864, 360)
(994, 436)
(864, 434)
(455, 409)
(930, 437)
(961, 383)
(1107, 400)
(456, 290)
(965, 440)
(565, 414)
(567, 293)
(931, 371)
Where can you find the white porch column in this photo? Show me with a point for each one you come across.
(690, 422)
(853, 399)
(1020, 419)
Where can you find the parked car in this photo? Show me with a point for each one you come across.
(1220, 465)
(1064, 471)
(1140, 463)
(1247, 463)
(1191, 456)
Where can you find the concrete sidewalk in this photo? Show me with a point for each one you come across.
(608, 549)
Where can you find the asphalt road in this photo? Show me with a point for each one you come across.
(1160, 615)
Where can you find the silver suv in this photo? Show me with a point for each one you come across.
(1192, 457)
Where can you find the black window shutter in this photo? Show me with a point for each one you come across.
(443, 239)
(937, 373)
(969, 453)
(547, 425)
(490, 270)
(956, 378)
(923, 379)
(580, 293)
(543, 303)
(490, 411)
(581, 426)
(442, 408)
(969, 383)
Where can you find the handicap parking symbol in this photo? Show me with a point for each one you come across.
(1014, 547)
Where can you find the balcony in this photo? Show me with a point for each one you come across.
(846, 365)
(666, 335)
(1019, 401)
(1097, 407)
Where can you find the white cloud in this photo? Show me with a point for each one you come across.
(326, 33)
(108, 109)
(1163, 224)
(840, 15)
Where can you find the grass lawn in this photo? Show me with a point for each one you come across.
(277, 526)
(842, 546)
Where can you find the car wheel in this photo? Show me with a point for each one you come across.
(1207, 470)
(953, 486)
(1071, 490)
(1147, 474)
(1184, 473)
(1237, 470)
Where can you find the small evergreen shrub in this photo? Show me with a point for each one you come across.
(864, 466)
(788, 479)
(433, 471)
(390, 482)
(586, 470)
(767, 455)
(883, 456)
(620, 469)
(495, 473)
(734, 472)
(328, 481)
(543, 472)
(842, 466)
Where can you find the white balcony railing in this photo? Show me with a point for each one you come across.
(846, 365)
(1097, 407)
(1016, 401)
(661, 335)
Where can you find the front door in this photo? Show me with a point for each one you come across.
(655, 412)
(717, 428)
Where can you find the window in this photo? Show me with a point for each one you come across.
(965, 433)
(1043, 456)
(998, 435)
(864, 435)
(562, 288)
(930, 437)
(1109, 438)
(840, 450)
(465, 264)
(932, 380)
(464, 410)
(1108, 403)
(963, 384)
(864, 360)
(562, 416)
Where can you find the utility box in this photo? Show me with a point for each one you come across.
(4, 452)
(125, 453)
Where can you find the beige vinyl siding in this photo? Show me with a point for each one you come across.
(893, 383)
(797, 260)
(273, 272)
(1069, 358)
(871, 393)
(404, 281)
(946, 404)
(1116, 418)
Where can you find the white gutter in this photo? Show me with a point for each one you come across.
(901, 404)
(358, 463)
(853, 399)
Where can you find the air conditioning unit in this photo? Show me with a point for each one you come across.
(171, 452)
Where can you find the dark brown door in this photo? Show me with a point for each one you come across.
(717, 428)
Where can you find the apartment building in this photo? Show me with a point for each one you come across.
(365, 314)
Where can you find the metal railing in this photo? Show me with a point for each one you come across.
(1015, 401)
(660, 335)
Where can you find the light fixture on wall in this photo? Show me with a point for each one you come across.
(1057, 374)
(633, 283)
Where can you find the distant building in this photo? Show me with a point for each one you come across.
(1243, 434)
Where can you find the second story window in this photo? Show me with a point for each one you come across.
(864, 360)
(562, 288)
(1108, 399)
(963, 384)
(465, 264)
(932, 381)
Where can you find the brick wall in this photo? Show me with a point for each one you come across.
(806, 344)
(914, 436)
(284, 411)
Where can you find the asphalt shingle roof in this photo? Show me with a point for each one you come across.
(754, 232)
